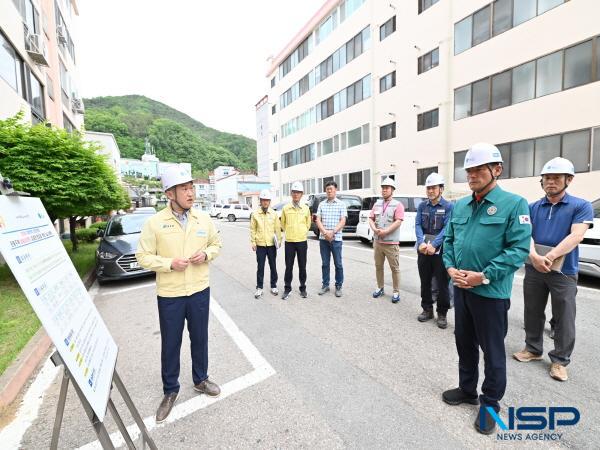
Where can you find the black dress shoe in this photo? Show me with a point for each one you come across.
(485, 424)
(457, 396)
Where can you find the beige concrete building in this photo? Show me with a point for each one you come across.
(38, 61)
(372, 88)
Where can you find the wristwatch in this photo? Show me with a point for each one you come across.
(484, 280)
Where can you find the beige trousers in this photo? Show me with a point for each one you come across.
(392, 253)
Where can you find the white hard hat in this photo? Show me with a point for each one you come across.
(558, 166)
(434, 179)
(265, 194)
(175, 175)
(297, 186)
(389, 182)
(482, 153)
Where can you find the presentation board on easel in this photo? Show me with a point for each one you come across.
(38, 260)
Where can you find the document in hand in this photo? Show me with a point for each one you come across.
(543, 250)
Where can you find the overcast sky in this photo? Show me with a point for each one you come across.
(204, 58)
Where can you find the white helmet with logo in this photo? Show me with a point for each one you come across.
(175, 175)
(389, 182)
(558, 166)
(434, 179)
(265, 194)
(297, 186)
(482, 153)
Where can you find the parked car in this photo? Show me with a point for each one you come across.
(407, 229)
(115, 256)
(353, 205)
(589, 249)
(235, 212)
(215, 210)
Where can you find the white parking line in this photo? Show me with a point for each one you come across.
(132, 288)
(262, 371)
(12, 435)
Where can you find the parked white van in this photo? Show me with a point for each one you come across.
(407, 230)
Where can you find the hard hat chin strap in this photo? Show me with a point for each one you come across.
(491, 181)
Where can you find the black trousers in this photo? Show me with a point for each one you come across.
(432, 266)
(262, 254)
(481, 322)
(291, 250)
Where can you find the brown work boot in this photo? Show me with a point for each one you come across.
(526, 356)
(558, 372)
(165, 407)
(208, 387)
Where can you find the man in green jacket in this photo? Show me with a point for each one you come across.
(487, 240)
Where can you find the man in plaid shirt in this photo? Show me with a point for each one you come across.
(331, 218)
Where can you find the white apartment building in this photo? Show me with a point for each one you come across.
(108, 148)
(373, 88)
(38, 62)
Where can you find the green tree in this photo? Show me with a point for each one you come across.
(61, 169)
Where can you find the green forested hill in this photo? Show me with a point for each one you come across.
(175, 136)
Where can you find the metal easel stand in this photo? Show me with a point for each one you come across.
(97, 425)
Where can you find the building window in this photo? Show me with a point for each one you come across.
(273, 109)
(387, 131)
(10, 65)
(67, 124)
(463, 32)
(428, 120)
(387, 82)
(481, 96)
(422, 174)
(523, 82)
(387, 28)
(481, 25)
(578, 65)
(497, 17)
(365, 133)
(275, 164)
(426, 4)
(367, 179)
(549, 74)
(460, 175)
(501, 90)
(521, 159)
(34, 95)
(596, 150)
(462, 102)
(343, 55)
(576, 148)
(546, 148)
(355, 180)
(502, 16)
(429, 60)
(273, 82)
(564, 69)
(354, 137)
(523, 11)
(527, 158)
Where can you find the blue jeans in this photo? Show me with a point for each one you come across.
(173, 312)
(327, 248)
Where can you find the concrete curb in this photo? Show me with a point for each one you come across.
(15, 377)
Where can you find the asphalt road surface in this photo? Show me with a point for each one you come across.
(321, 372)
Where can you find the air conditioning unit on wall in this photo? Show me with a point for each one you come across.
(36, 48)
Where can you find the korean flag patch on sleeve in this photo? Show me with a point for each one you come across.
(525, 220)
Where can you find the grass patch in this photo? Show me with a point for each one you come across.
(18, 321)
